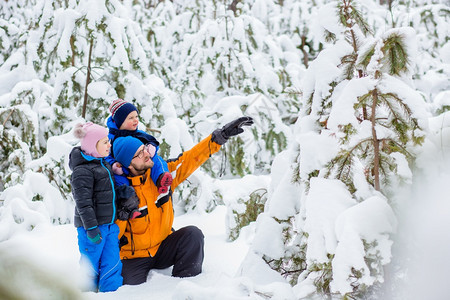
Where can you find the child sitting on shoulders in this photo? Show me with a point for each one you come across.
(124, 121)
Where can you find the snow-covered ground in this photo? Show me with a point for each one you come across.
(54, 248)
(53, 251)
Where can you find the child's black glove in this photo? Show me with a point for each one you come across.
(127, 203)
(94, 235)
(221, 136)
(127, 207)
(124, 192)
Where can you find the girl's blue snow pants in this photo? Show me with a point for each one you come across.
(104, 258)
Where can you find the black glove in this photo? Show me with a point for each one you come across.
(94, 235)
(221, 136)
(127, 202)
(124, 192)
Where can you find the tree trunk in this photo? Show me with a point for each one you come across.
(72, 47)
(376, 143)
(305, 54)
(233, 6)
(364, 107)
(88, 79)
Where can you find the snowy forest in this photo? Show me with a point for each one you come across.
(340, 187)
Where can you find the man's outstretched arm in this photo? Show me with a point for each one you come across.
(191, 160)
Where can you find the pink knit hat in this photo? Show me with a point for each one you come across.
(89, 134)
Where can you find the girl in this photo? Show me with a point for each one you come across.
(95, 208)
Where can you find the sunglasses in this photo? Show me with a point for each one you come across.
(140, 154)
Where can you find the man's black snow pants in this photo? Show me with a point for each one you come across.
(183, 249)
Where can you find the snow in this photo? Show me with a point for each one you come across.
(318, 149)
(326, 201)
(268, 229)
(196, 72)
(10, 79)
(371, 220)
(403, 169)
(282, 194)
(424, 224)
(411, 97)
(55, 251)
(342, 112)
(66, 24)
(324, 70)
(325, 18)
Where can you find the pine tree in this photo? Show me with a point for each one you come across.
(383, 128)
(370, 119)
(393, 122)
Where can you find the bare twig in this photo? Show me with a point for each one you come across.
(9, 115)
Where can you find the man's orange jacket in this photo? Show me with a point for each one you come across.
(145, 234)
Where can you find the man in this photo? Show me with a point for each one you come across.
(151, 241)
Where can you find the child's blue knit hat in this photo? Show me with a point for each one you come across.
(125, 148)
(120, 109)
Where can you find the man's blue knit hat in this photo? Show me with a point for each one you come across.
(125, 148)
(120, 109)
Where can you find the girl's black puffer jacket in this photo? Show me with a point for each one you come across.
(93, 190)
